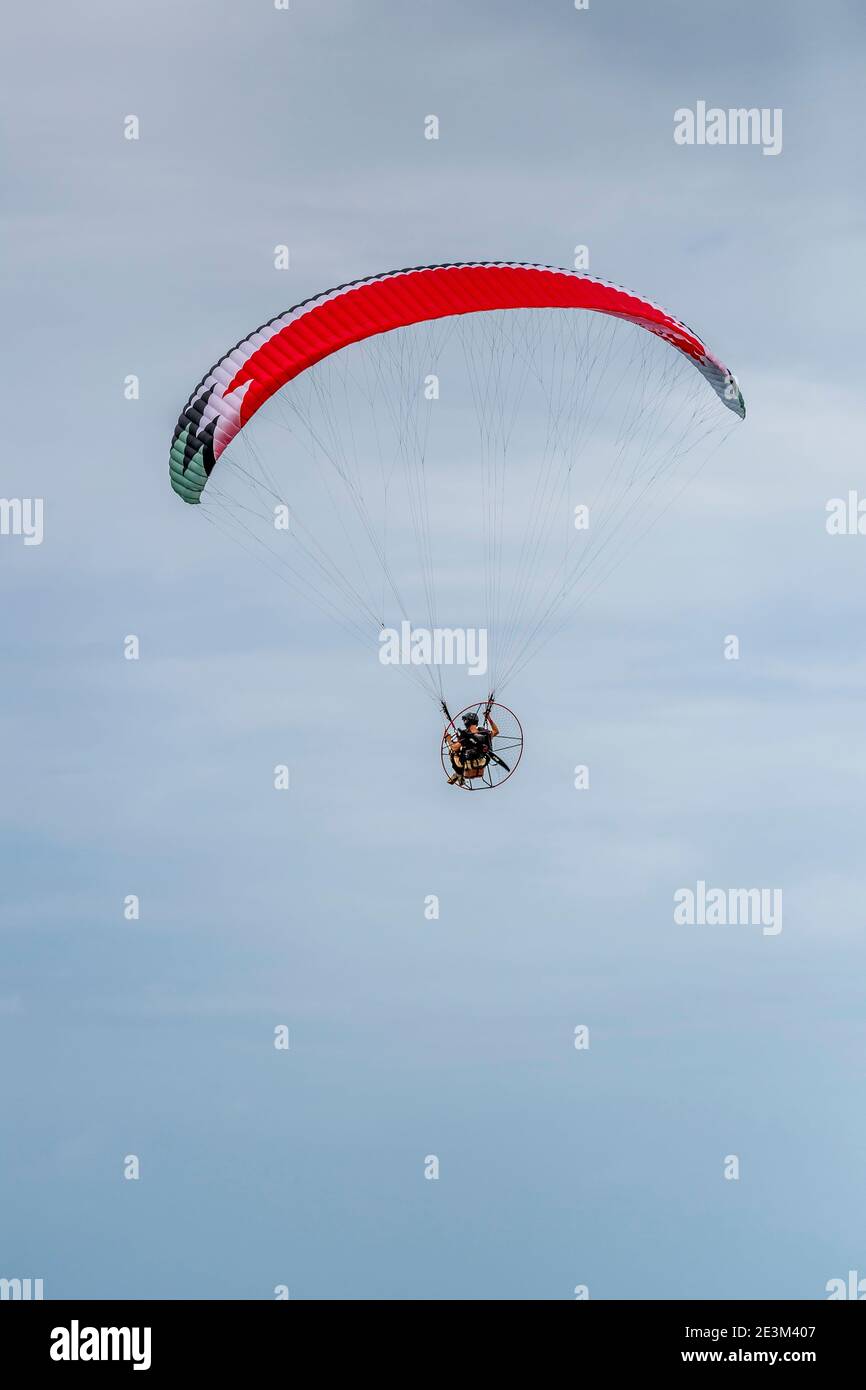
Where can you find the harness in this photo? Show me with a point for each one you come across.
(474, 748)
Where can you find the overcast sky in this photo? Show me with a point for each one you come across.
(603, 1167)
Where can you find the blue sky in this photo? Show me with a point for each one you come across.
(411, 1037)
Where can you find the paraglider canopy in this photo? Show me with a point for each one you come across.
(466, 449)
(280, 350)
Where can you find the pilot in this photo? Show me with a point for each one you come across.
(471, 748)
